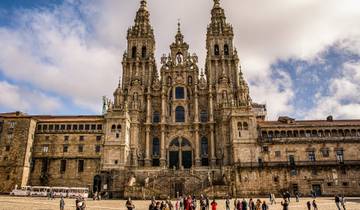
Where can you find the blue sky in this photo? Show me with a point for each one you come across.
(62, 56)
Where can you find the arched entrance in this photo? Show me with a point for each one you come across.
(180, 153)
(97, 184)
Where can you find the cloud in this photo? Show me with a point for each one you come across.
(19, 98)
(74, 49)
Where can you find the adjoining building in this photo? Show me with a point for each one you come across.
(181, 130)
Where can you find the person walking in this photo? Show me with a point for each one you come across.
(129, 205)
(244, 204)
(285, 205)
(258, 204)
(264, 206)
(207, 203)
(238, 205)
(181, 203)
(308, 205)
(152, 205)
(314, 204)
(235, 203)
(227, 203)
(213, 205)
(62, 203)
(251, 204)
(343, 201)
(297, 196)
(202, 203)
(337, 201)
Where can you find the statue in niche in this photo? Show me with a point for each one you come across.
(179, 58)
(132, 181)
(146, 181)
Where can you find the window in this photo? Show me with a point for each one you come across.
(45, 148)
(226, 49)
(291, 160)
(189, 80)
(169, 81)
(81, 166)
(340, 156)
(47, 138)
(179, 114)
(56, 127)
(113, 127)
(203, 116)
(325, 152)
(115, 162)
(117, 135)
(81, 127)
(39, 127)
(329, 184)
(133, 52)
(118, 127)
(66, 138)
(265, 149)
(216, 50)
(311, 156)
(45, 127)
(81, 138)
(75, 127)
(204, 146)
(65, 148)
(277, 154)
(156, 117)
(179, 93)
(345, 184)
(93, 127)
(245, 125)
(143, 52)
(80, 148)
(51, 127)
(261, 163)
(98, 138)
(62, 127)
(156, 147)
(87, 127)
(99, 127)
(7, 148)
(63, 166)
(68, 127)
(97, 148)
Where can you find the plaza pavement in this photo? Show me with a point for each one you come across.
(27, 203)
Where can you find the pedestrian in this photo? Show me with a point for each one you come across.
(297, 196)
(177, 204)
(235, 203)
(62, 203)
(314, 204)
(337, 201)
(244, 204)
(181, 203)
(251, 204)
(129, 205)
(202, 203)
(152, 205)
(343, 201)
(264, 206)
(308, 204)
(213, 205)
(285, 205)
(227, 203)
(239, 205)
(207, 203)
(258, 204)
(158, 206)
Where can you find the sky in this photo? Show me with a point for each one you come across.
(300, 57)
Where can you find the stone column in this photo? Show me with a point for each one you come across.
(197, 147)
(180, 155)
(147, 137)
(163, 120)
(212, 134)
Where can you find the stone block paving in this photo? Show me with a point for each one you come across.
(27, 203)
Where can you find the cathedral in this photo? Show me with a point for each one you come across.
(178, 130)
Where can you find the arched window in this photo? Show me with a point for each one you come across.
(179, 92)
(204, 146)
(156, 117)
(216, 50)
(156, 147)
(133, 52)
(113, 127)
(203, 116)
(226, 49)
(143, 52)
(239, 127)
(179, 114)
(118, 127)
(245, 125)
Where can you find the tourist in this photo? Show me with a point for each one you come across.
(297, 196)
(158, 206)
(337, 201)
(77, 200)
(213, 205)
(342, 201)
(264, 206)
(194, 203)
(62, 203)
(129, 205)
(288, 195)
(177, 204)
(188, 203)
(227, 203)
(251, 204)
(308, 204)
(314, 204)
(162, 205)
(238, 205)
(207, 203)
(152, 205)
(258, 204)
(235, 203)
(166, 207)
(285, 205)
(181, 203)
(202, 203)
(168, 202)
(272, 197)
(244, 204)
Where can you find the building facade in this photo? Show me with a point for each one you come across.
(180, 130)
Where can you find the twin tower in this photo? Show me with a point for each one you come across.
(179, 117)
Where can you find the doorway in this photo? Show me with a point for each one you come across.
(186, 159)
(97, 184)
(317, 189)
(174, 159)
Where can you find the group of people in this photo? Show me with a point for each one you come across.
(244, 205)
(340, 202)
(80, 203)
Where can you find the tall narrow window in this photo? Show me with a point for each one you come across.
(203, 116)
(156, 117)
(226, 49)
(156, 147)
(340, 155)
(63, 166)
(133, 52)
(143, 52)
(204, 146)
(189, 80)
(312, 157)
(246, 127)
(179, 93)
(81, 166)
(216, 50)
(179, 114)
(169, 81)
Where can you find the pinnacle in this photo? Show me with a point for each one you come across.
(143, 4)
(216, 3)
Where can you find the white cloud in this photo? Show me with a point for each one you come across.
(19, 98)
(59, 53)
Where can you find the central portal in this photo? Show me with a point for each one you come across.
(180, 153)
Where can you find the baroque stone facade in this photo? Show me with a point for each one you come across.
(180, 130)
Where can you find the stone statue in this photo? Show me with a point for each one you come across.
(146, 181)
(209, 178)
(132, 181)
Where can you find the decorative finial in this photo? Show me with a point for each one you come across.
(216, 2)
(179, 26)
(119, 85)
(143, 3)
